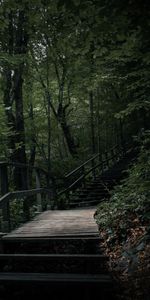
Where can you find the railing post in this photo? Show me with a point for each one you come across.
(4, 190)
(1, 243)
(3, 179)
(67, 194)
(124, 149)
(83, 172)
(117, 153)
(6, 217)
(1, 219)
(107, 159)
(101, 163)
(113, 157)
(93, 166)
(38, 197)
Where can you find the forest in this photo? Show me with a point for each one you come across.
(75, 82)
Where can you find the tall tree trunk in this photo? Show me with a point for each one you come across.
(93, 146)
(33, 140)
(121, 134)
(8, 47)
(8, 110)
(98, 122)
(69, 139)
(20, 153)
(15, 45)
(61, 118)
(51, 184)
(49, 138)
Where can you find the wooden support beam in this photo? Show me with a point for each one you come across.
(3, 179)
(5, 216)
(38, 197)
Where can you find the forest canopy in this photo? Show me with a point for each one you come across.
(74, 78)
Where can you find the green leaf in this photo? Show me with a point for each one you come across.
(76, 2)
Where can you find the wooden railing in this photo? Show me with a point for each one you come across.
(88, 170)
(36, 188)
(91, 168)
(25, 195)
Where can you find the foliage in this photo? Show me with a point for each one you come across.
(66, 50)
(17, 216)
(126, 237)
(16, 213)
(75, 47)
(132, 195)
(4, 134)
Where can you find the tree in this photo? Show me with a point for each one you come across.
(64, 52)
(14, 47)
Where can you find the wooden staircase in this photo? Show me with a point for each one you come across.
(100, 187)
(68, 266)
(71, 267)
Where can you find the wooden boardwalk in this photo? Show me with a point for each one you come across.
(58, 223)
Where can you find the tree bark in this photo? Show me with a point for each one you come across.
(8, 111)
(98, 122)
(8, 47)
(33, 139)
(20, 153)
(61, 118)
(93, 147)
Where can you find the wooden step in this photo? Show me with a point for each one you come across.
(92, 191)
(53, 277)
(35, 286)
(89, 197)
(54, 263)
(87, 203)
(93, 196)
(93, 199)
(86, 243)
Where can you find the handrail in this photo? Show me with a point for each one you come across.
(93, 168)
(7, 196)
(18, 194)
(86, 162)
(81, 166)
(4, 198)
(4, 202)
(71, 186)
(83, 176)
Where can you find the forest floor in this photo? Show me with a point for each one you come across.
(124, 224)
(130, 260)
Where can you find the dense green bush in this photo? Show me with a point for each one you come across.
(124, 223)
(132, 196)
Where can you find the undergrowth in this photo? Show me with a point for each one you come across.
(124, 224)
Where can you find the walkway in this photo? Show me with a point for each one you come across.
(58, 223)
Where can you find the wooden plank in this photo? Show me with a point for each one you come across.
(53, 277)
(54, 263)
(85, 237)
(53, 256)
(59, 223)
